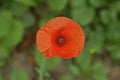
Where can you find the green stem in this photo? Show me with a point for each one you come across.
(41, 76)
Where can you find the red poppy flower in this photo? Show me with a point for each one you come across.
(61, 37)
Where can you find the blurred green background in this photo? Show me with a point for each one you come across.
(20, 58)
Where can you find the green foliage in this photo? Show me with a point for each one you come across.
(18, 9)
(27, 19)
(105, 16)
(81, 12)
(57, 5)
(18, 74)
(97, 37)
(49, 64)
(74, 69)
(26, 2)
(1, 76)
(78, 3)
(5, 22)
(98, 3)
(87, 62)
(3, 53)
(114, 32)
(38, 57)
(113, 40)
(84, 16)
(115, 10)
(11, 33)
(87, 71)
(66, 77)
(2, 63)
(84, 67)
(99, 71)
(12, 39)
(46, 18)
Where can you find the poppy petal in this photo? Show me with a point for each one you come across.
(43, 40)
(56, 24)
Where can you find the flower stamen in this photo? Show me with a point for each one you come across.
(61, 40)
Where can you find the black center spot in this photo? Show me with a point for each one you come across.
(61, 40)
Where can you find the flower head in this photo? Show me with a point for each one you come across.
(60, 37)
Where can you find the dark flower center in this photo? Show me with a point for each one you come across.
(61, 40)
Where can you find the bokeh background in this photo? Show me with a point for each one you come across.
(20, 58)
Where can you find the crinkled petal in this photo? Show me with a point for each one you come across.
(43, 40)
(75, 41)
(75, 35)
(57, 23)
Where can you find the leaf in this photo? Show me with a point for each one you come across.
(15, 35)
(75, 70)
(97, 38)
(113, 38)
(84, 61)
(78, 3)
(5, 22)
(2, 63)
(57, 5)
(18, 74)
(115, 53)
(51, 63)
(97, 3)
(113, 31)
(46, 18)
(4, 53)
(18, 9)
(97, 47)
(27, 19)
(1, 78)
(38, 57)
(26, 2)
(81, 12)
(99, 71)
(105, 17)
(114, 11)
(113, 48)
(84, 15)
(66, 77)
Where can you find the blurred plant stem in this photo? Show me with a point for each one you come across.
(41, 75)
